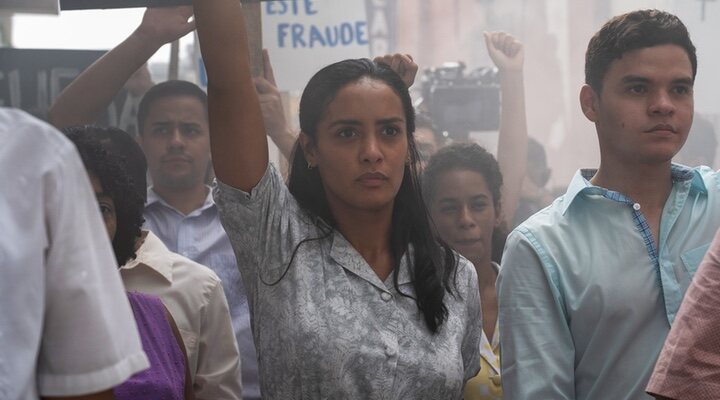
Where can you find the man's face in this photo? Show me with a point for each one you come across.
(645, 109)
(176, 142)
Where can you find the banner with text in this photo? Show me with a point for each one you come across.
(303, 36)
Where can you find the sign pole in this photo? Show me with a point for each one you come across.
(174, 65)
(253, 24)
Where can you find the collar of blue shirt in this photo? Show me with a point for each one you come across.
(580, 183)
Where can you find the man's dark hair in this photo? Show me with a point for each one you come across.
(173, 88)
(108, 168)
(632, 31)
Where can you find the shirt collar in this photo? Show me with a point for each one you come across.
(154, 198)
(345, 254)
(154, 255)
(581, 183)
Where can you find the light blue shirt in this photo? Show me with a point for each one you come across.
(200, 237)
(585, 297)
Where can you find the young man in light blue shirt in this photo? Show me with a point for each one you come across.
(590, 285)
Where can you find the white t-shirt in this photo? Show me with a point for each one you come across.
(66, 327)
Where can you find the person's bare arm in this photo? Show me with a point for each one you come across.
(106, 395)
(272, 110)
(507, 54)
(85, 99)
(237, 132)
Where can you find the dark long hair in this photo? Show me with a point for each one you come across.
(470, 157)
(434, 264)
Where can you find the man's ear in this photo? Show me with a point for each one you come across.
(307, 145)
(589, 100)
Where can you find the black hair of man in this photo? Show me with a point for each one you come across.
(172, 88)
(632, 31)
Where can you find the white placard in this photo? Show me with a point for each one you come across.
(303, 36)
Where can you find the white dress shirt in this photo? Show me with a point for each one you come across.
(66, 327)
(194, 296)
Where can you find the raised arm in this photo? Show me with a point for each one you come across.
(272, 110)
(402, 64)
(84, 100)
(237, 132)
(507, 54)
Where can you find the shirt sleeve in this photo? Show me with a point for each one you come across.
(265, 227)
(90, 342)
(689, 364)
(537, 351)
(218, 372)
(471, 341)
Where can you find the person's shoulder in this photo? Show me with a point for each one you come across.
(545, 218)
(465, 269)
(17, 126)
(706, 176)
(35, 141)
(199, 273)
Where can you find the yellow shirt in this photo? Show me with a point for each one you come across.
(486, 385)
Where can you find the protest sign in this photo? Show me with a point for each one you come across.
(303, 36)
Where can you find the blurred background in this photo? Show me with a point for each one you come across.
(455, 83)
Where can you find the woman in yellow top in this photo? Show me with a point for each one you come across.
(463, 187)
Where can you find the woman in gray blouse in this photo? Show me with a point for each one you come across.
(350, 294)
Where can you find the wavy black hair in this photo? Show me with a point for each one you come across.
(116, 182)
(632, 31)
(434, 264)
(117, 141)
(468, 157)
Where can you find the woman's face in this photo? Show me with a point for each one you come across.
(361, 147)
(464, 213)
(107, 206)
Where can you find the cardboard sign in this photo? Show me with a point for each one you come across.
(303, 36)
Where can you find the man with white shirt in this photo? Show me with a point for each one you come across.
(66, 328)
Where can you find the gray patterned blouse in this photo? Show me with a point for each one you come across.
(330, 328)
